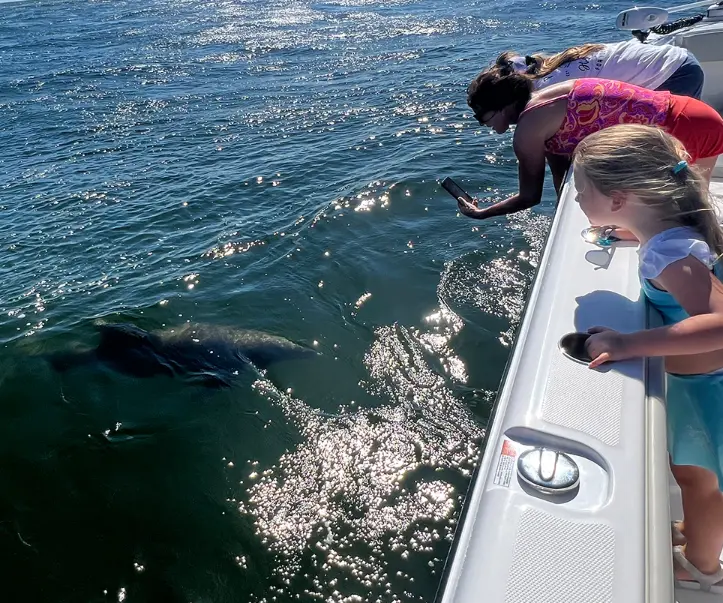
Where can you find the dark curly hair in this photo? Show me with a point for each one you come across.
(493, 90)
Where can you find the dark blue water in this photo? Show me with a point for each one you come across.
(272, 165)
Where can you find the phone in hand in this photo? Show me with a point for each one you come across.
(455, 190)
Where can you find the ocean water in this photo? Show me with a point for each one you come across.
(268, 165)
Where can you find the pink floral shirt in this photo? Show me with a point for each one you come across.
(594, 104)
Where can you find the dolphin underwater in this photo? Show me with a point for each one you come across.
(212, 354)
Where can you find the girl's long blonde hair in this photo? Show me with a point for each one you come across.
(641, 160)
(539, 65)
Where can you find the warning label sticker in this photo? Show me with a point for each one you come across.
(506, 463)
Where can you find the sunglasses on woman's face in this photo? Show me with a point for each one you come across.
(484, 118)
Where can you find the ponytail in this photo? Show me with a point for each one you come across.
(538, 66)
(695, 210)
(566, 56)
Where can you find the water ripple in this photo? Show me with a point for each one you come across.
(272, 165)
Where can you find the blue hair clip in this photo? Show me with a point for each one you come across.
(679, 167)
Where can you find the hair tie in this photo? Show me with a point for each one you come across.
(679, 167)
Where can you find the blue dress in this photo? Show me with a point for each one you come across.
(694, 402)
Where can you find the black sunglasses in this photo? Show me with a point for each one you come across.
(478, 115)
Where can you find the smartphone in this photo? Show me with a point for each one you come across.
(454, 189)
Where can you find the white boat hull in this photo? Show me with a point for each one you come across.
(609, 540)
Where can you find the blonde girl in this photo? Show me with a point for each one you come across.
(638, 178)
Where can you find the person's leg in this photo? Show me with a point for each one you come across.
(559, 165)
(687, 80)
(703, 513)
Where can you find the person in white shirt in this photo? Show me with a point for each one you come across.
(663, 67)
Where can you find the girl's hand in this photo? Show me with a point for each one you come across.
(612, 233)
(470, 210)
(603, 236)
(605, 345)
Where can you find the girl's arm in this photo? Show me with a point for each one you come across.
(700, 294)
(530, 151)
(623, 234)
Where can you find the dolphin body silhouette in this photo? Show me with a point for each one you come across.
(211, 354)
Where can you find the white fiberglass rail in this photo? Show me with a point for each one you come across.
(608, 539)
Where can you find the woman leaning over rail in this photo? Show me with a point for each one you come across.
(658, 67)
(551, 123)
